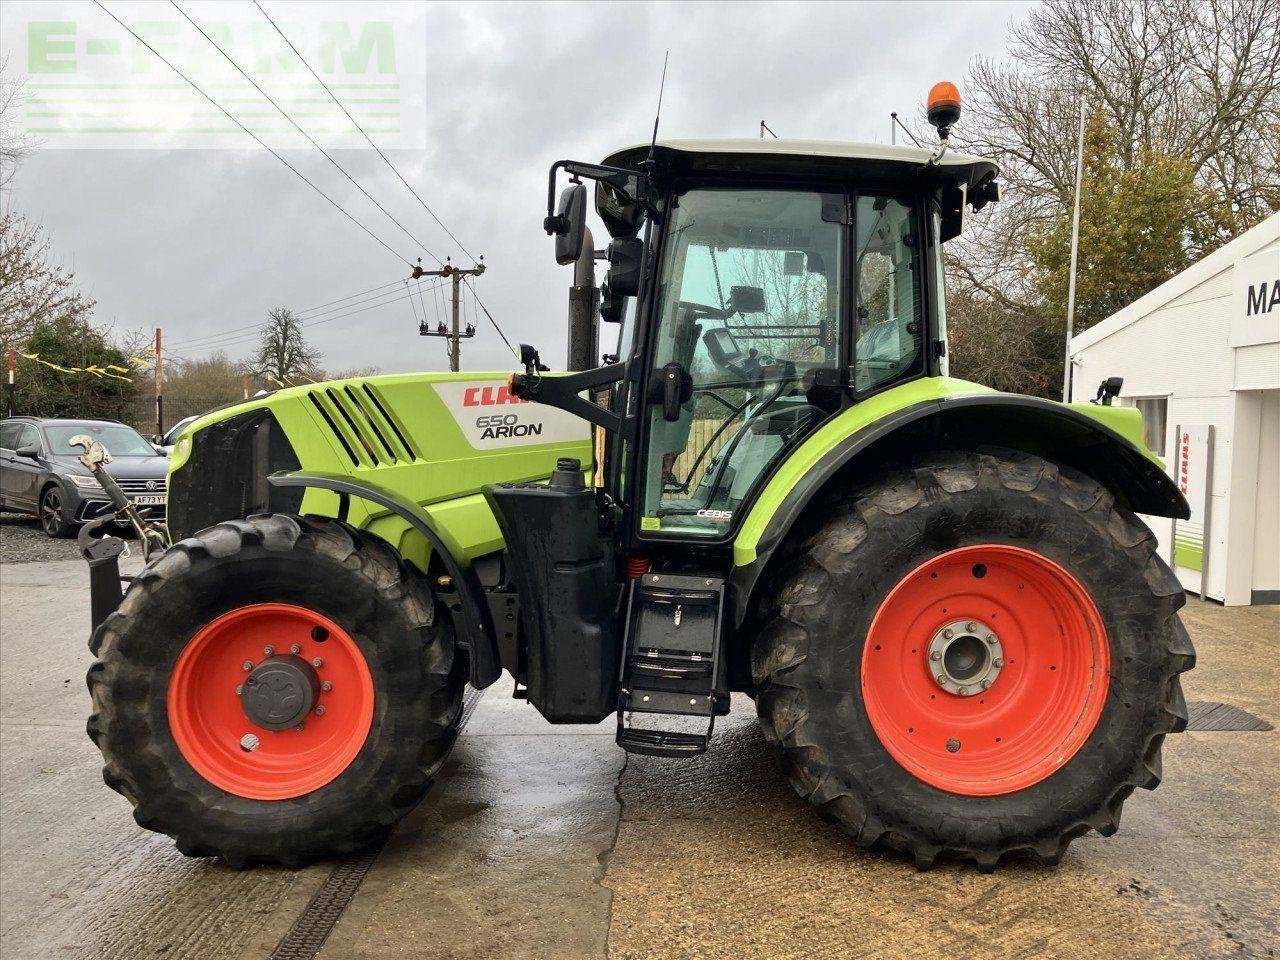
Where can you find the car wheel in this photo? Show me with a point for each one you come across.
(53, 514)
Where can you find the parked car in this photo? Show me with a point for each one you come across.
(166, 441)
(41, 473)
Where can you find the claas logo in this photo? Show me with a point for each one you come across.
(490, 396)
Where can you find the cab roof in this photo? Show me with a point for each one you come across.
(840, 158)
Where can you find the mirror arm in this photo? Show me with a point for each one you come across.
(563, 392)
(634, 184)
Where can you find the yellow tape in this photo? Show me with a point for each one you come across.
(93, 369)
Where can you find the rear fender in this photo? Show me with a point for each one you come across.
(1088, 441)
(472, 620)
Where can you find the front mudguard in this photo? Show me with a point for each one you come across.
(463, 593)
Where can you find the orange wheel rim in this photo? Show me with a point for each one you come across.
(985, 670)
(216, 733)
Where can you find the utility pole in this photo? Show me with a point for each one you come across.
(9, 390)
(1075, 250)
(245, 381)
(455, 336)
(159, 387)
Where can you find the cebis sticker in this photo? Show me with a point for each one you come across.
(491, 417)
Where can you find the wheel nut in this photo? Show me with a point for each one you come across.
(320, 710)
(991, 638)
(971, 625)
(269, 650)
(942, 680)
(296, 648)
(239, 689)
(986, 684)
(326, 686)
(947, 634)
(248, 665)
(999, 662)
(317, 663)
(298, 728)
(936, 655)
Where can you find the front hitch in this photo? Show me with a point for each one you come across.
(103, 553)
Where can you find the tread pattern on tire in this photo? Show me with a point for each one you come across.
(791, 618)
(144, 765)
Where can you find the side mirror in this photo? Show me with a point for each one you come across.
(569, 224)
(160, 450)
(530, 360)
(746, 300)
(1108, 390)
(30, 451)
(626, 259)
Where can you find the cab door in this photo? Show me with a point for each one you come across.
(749, 302)
(775, 309)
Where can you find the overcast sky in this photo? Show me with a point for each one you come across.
(200, 241)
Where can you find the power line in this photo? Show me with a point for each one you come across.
(310, 139)
(306, 314)
(491, 320)
(256, 138)
(249, 337)
(343, 108)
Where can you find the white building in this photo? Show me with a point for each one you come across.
(1200, 355)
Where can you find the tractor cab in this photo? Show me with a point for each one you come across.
(757, 289)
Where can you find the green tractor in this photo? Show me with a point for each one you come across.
(955, 628)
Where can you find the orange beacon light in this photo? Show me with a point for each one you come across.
(943, 107)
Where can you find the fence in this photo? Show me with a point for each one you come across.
(140, 413)
(700, 448)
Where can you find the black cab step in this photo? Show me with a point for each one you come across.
(671, 664)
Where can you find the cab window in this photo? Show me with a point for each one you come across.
(889, 344)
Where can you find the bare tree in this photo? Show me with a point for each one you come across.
(284, 356)
(35, 286)
(1194, 81)
(14, 145)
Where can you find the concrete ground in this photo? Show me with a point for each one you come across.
(546, 842)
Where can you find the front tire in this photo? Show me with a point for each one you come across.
(53, 514)
(1026, 738)
(274, 690)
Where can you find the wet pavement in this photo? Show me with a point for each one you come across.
(547, 842)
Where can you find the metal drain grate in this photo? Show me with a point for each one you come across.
(312, 929)
(1203, 715)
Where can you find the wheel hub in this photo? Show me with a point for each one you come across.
(965, 657)
(280, 692)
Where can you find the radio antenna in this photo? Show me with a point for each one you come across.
(658, 113)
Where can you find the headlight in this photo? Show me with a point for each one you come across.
(85, 483)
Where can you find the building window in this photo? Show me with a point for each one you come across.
(1154, 411)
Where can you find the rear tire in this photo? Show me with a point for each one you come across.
(167, 728)
(876, 771)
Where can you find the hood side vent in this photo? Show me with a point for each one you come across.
(369, 417)
(331, 420)
(393, 425)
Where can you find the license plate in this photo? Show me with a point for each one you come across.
(149, 500)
